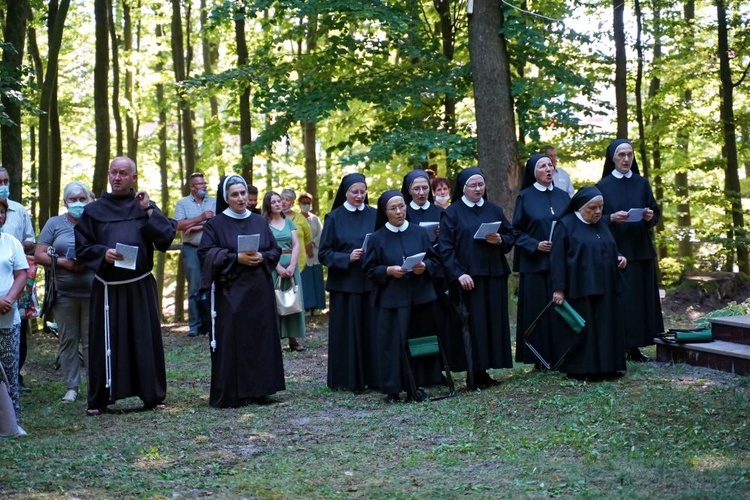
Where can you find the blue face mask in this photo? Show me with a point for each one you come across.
(4, 192)
(202, 193)
(75, 209)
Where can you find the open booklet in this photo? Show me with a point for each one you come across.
(412, 261)
(129, 254)
(248, 242)
(487, 228)
(635, 214)
(431, 228)
(364, 243)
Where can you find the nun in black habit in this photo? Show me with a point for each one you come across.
(404, 299)
(417, 194)
(478, 273)
(584, 271)
(538, 204)
(352, 351)
(246, 360)
(623, 188)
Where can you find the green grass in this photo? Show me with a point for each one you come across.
(661, 431)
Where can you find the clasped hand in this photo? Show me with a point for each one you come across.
(249, 258)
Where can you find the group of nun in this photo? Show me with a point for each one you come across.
(593, 256)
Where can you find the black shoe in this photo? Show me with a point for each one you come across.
(393, 398)
(193, 334)
(22, 387)
(635, 354)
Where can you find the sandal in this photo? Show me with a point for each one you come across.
(295, 346)
(95, 412)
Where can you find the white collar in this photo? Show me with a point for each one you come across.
(352, 208)
(399, 229)
(471, 204)
(542, 188)
(618, 175)
(580, 217)
(413, 205)
(234, 215)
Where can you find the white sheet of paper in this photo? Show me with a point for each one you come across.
(486, 228)
(636, 214)
(71, 253)
(129, 253)
(552, 230)
(412, 261)
(364, 243)
(431, 228)
(248, 242)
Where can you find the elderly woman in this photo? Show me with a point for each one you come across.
(313, 291)
(404, 297)
(72, 287)
(291, 326)
(538, 204)
(246, 361)
(13, 266)
(441, 190)
(584, 272)
(624, 189)
(352, 353)
(477, 268)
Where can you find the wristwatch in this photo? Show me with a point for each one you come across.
(151, 205)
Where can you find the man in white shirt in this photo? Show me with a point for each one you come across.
(560, 178)
(191, 213)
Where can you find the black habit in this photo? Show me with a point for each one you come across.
(535, 210)
(584, 266)
(352, 352)
(137, 352)
(640, 294)
(246, 362)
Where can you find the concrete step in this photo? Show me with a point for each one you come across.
(719, 355)
(732, 329)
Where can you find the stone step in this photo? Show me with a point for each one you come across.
(732, 329)
(719, 355)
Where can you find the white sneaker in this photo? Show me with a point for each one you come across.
(70, 396)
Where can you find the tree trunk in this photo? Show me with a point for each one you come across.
(309, 129)
(621, 85)
(496, 129)
(115, 42)
(682, 186)
(246, 136)
(448, 39)
(731, 179)
(10, 133)
(642, 150)
(131, 113)
(178, 61)
(101, 96)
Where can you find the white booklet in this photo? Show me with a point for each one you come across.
(412, 261)
(364, 243)
(487, 228)
(248, 242)
(635, 214)
(129, 253)
(431, 228)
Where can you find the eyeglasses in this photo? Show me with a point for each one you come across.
(397, 208)
(478, 185)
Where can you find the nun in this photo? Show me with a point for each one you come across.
(624, 189)
(246, 360)
(352, 352)
(404, 294)
(538, 204)
(584, 271)
(477, 270)
(417, 194)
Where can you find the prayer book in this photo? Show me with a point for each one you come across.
(413, 260)
(248, 242)
(635, 214)
(129, 254)
(431, 228)
(487, 228)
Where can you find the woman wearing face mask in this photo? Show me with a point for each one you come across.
(352, 352)
(478, 272)
(73, 285)
(538, 204)
(441, 190)
(623, 188)
(584, 272)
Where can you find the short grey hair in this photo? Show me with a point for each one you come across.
(76, 187)
(289, 193)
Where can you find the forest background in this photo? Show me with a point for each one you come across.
(294, 93)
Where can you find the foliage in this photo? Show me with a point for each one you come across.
(732, 309)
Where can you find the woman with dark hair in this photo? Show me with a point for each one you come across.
(624, 189)
(538, 204)
(441, 190)
(476, 267)
(584, 272)
(246, 361)
(352, 353)
(403, 297)
(291, 326)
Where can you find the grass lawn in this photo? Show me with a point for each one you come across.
(660, 431)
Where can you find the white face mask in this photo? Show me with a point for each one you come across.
(442, 199)
(305, 208)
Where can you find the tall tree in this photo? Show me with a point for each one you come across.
(115, 46)
(621, 70)
(496, 130)
(737, 234)
(246, 136)
(132, 121)
(309, 129)
(178, 62)
(101, 96)
(10, 132)
(682, 186)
